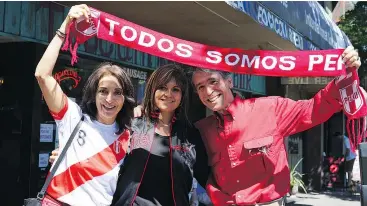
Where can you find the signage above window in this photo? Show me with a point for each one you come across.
(68, 74)
(133, 73)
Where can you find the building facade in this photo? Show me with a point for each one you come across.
(28, 132)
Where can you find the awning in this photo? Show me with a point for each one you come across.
(208, 22)
(304, 23)
(282, 25)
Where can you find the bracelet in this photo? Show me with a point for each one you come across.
(60, 34)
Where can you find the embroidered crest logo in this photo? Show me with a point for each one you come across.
(88, 28)
(141, 141)
(351, 97)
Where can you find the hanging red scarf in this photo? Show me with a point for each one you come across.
(254, 62)
(354, 107)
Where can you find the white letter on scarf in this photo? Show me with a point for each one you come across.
(141, 42)
(160, 45)
(214, 54)
(314, 59)
(328, 61)
(184, 50)
(272, 65)
(247, 63)
(123, 34)
(237, 59)
(112, 26)
(287, 60)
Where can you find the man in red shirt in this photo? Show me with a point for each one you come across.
(244, 137)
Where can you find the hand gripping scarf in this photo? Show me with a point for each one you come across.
(254, 62)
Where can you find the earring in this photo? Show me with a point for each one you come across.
(174, 118)
(176, 114)
(155, 113)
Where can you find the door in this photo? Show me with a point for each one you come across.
(16, 94)
(10, 143)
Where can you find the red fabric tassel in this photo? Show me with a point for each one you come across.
(74, 57)
(353, 137)
(353, 98)
(68, 43)
(349, 133)
(360, 130)
(67, 38)
(356, 130)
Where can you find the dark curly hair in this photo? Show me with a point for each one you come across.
(88, 103)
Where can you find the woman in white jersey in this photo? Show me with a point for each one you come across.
(89, 172)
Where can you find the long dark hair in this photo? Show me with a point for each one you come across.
(160, 77)
(88, 103)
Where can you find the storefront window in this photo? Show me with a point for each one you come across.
(72, 79)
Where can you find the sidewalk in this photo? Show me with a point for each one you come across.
(334, 198)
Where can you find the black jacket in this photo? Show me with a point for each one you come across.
(188, 158)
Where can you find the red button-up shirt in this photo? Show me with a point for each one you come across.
(246, 147)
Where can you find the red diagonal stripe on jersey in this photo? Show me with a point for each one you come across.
(95, 166)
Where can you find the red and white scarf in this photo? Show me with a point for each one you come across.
(254, 62)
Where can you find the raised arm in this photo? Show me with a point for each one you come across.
(296, 116)
(51, 90)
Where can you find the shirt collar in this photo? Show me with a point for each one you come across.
(230, 110)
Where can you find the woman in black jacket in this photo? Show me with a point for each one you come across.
(159, 168)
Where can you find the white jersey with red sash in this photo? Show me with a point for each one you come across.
(88, 173)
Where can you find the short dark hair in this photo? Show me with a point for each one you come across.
(88, 104)
(193, 70)
(160, 77)
(224, 74)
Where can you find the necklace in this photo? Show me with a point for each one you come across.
(163, 124)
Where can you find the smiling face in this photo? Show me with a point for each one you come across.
(109, 99)
(214, 91)
(167, 98)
